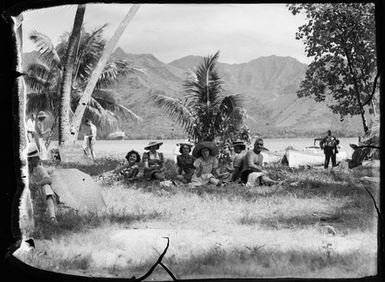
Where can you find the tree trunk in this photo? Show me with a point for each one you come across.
(357, 91)
(66, 83)
(110, 46)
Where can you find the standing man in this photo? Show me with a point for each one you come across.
(89, 139)
(30, 127)
(40, 133)
(252, 171)
(329, 145)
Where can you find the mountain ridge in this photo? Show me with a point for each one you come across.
(268, 84)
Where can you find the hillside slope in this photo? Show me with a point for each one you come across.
(269, 85)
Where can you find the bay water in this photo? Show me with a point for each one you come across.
(119, 148)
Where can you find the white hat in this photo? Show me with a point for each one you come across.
(32, 150)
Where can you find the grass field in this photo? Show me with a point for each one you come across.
(317, 223)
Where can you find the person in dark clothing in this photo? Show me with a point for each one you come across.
(185, 163)
(329, 145)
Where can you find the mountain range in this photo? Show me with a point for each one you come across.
(268, 85)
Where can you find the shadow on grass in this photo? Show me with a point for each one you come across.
(90, 167)
(356, 214)
(256, 262)
(71, 222)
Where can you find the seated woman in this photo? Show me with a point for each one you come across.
(185, 163)
(153, 162)
(128, 171)
(131, 169)
(206, 164)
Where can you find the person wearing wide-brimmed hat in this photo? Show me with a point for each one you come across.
(239, 147)
(185, 163)
(40, 183)
(40, 132)
(252, 172)
(206, 164)
(153, 162)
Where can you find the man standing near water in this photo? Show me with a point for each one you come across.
(329, 145)
(89, 138)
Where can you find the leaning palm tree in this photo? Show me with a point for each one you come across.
(205, 109)
(98, 70)
(43, 79)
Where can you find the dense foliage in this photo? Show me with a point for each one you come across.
(340, 37)
(43, 78)
(204, 112)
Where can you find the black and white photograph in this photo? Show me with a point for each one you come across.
(199, 141)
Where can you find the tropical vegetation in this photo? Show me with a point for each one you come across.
(43, 79)
(205, 112)
(340, 37)
(99, 69)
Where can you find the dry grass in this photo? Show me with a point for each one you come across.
(231, 231)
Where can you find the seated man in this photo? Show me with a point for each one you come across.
(252, 166)
(238, 158)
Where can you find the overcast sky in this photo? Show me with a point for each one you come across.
(241, 32)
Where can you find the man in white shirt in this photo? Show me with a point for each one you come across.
(30, 127)
(89, 139)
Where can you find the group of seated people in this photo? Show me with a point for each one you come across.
(201, 164)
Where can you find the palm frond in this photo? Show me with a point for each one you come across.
(35, 83)
(48, 54)
(39, 70)
(91, 46)
(204, 84)
(104, 119)
(39, 102)
(127, 112)
(175, 109)
(230, 102)
(113, 72)
(105, 98)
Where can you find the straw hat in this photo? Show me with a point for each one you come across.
(240, 143)
(42, 114)
(152, 144)
(32, 151)
(205, 144)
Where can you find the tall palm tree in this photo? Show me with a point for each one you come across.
(98, 70)
(205, 109)
(43, 79)
(68, 70)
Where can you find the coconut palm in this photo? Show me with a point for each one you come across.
(68, 70)
(98, 70)
(43, 79)
(205, 109)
